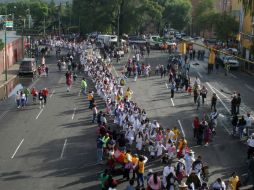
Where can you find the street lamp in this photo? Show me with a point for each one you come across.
(118, 26)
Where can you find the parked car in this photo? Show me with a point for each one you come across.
(27, 67)
(136, 40)
(233, 62)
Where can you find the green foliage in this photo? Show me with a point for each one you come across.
(1, 44)
(103, 15)
(225, 26)
(177, 13)
(248, 6)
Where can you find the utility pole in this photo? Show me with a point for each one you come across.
(5, 46)
(118, 26)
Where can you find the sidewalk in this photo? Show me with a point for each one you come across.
(12, 79)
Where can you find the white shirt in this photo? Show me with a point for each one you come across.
(250, 142)
(248, 121)
(166, 171)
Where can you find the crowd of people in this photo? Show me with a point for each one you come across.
(22, 96)
(136, 140)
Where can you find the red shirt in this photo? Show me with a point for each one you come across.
(45, 92)
(196, 123)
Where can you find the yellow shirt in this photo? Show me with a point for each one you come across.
(127, 158)
(233, 182)
(128, 94)
(141, 167)
(177, 133)
(89, 96)
(134, 160)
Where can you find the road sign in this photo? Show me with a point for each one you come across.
(9, 24)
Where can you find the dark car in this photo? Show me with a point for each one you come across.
(27, 67)
(136, 40)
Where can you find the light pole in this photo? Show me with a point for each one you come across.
(118, 26)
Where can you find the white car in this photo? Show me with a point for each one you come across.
(233, 62)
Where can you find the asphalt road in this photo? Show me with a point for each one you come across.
(225, 154)
(54, 148)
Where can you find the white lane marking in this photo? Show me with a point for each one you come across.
(180, 124)
(17, 149)
(230, 100)
(212, 88)
(221, 93)
(166, 85)
(226, 129)
(74, 111)
(4, 114)
(62, 153)
(172, 102)
(39, 114)
(233, 76)
(199, 74)
(79, 93)
(61, 80)
(249, 87)
(52, 94)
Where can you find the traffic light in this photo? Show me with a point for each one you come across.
(211, 59)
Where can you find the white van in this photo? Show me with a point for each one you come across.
(107, 39)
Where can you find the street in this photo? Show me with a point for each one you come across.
(54, 147)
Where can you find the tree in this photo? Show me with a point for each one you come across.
(177, 13)
(248, 6)
(204, 14)
(103, 15)
(225, 26)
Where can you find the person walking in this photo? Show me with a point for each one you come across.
(95, 112)
(238, 103)
(23, 99)
(198, 100)
(40, 98)
(99, 149)
(248, 120)
(47, 71)
(45, 93)
(141, 170)
(241, 125)
(214, 101)
(83, 86)
(18, 99)
(154, 182)
(26, 92)
(34, 94)
(233, 182)
(219, 185)
(250, 143)
(196, 124)
(203, 93)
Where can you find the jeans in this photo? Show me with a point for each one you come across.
(94, 117)
(99, 154)
(241, 128)
(83, 90)
(18, 103)
(140, 177)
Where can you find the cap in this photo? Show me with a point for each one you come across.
(150, 171)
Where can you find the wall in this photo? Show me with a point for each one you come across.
(12, 57)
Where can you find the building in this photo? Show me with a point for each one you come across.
(14, 49)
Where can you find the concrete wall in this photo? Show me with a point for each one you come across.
(14, 54)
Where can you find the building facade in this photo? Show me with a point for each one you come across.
(14, 49)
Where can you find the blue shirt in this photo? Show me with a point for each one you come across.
(99, 143)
